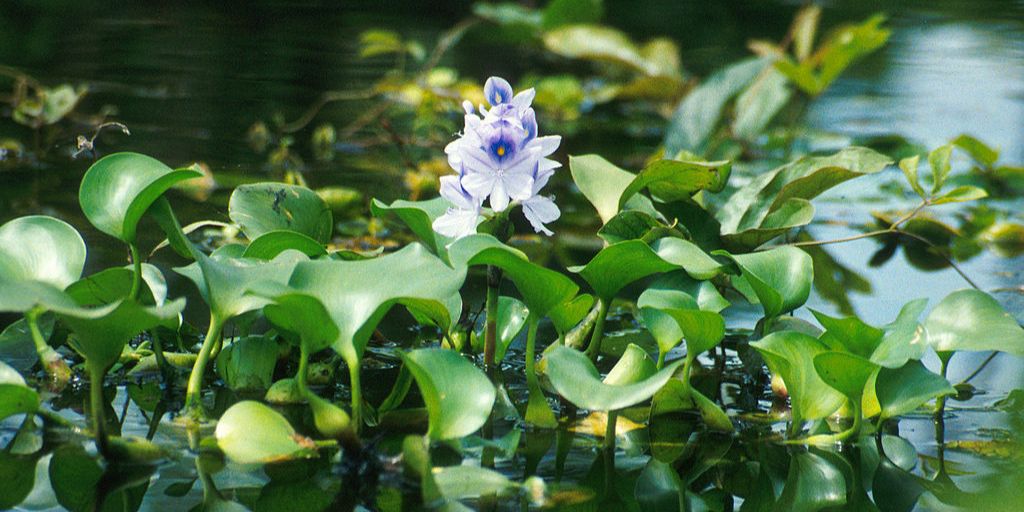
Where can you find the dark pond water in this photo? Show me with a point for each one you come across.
(190, 82)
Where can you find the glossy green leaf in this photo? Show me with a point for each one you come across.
(790, 355)
(252, 433)
(118, 189)
(101, 333)
(300, 314)
(634, 366)
(791, 213)
(904, 389)
(418, 216)
(697, 263)
(597, 43)
(542, 289)
(701, 329)
(268, 245)
(602, 183)
(21, 296)
(781, 278)
(758, 104)
(844, 45)
(259, 208)
(247, 364)
(696, 118)
(461, 482)
(671, 180)
(982, 153)
(512, 315)
(677, 290)
(629, 225)
(224, 280)
(813, 484)
(806, 178)
(845, 372)
(973, 320)
(566, 315)
(659, 488)
(40, 248)
(574, 377)
(15, 396)
(619, 265)
(457, 394)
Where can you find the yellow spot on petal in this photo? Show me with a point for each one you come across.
(497, 98)
(501, 150)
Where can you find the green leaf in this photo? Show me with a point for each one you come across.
(598, 43)
(252, 433)
(574, 377)
(672, 180)
(247, 364)
(961, 194)
(972, 320)
(697, 263)
(566, 12)
(268, 245)
(938, 159)
(701, 329)
(805, 24)
(101, 333)
(40, 248)
(659, 488)
(566, 315)
(628, 225)
(780, 277)
(358, 294)
(461, 482)
(904, 389)
(790, 355)
(696, 118)
(118, 189)
(904, 339)
(300, 314)
(983, 154)
(542, 289)
(458, 396)
(17, 476)
(845, 372)
(909, 167)
(813, 484)
(224, 280)
(259, 208)
(15, 396)
(418, 216)
(619, 265)
(602, 183)
(634, 366)
(512, 315)
(806, 178)
(76, 478)
(758, 104)
(677, 290)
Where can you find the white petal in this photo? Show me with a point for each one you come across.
(541, 179)
(548, 144)
(547, 164)
(523, 100)
(499, 197)
(479, 184)
(456, 223)
(519, 185)
(540, 210)
(467, 106)
(451, 189)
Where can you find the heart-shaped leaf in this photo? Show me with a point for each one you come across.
(790, 355)
(813, 484)
(252, 433)
(845, 372)
(301, 314)
(697, 263)
(40, 248)
(512, 315)
(619, 265)
(670, 180)
(542, 289)
(904, 389)
(15, 396)
(260, 208)
(780, 278)
(101, 333)
(118, 189)
(972, 320)
(574, 377)
(602, 183)
(419, 217)
(701, 329)
(457, 394)
(270, 244)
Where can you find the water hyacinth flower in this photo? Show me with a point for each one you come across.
(498, 158)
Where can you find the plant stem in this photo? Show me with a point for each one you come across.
(96, 406)
(356, 387)
(161, 361)
(609, 432)
(194, 392)
(981, 367)
(51, 361)
(661, 359)
(538, 412)
(940, 402)
(594, 348)
(133, 294)
(491, 327)
(300, 376)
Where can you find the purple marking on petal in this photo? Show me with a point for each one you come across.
(497, 90)
(530, 125)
